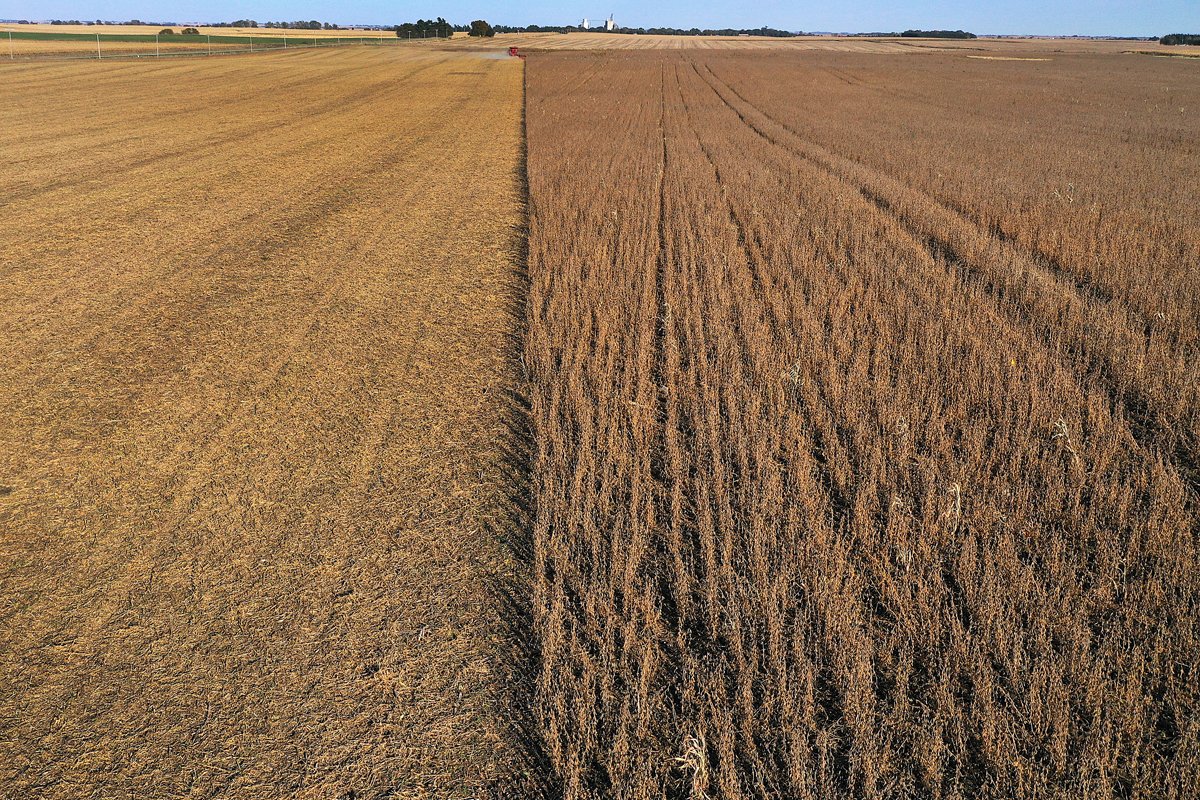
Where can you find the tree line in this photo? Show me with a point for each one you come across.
(299, 25)
(309, 25)
(914, 33)
(426, 29)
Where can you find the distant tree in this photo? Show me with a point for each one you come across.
(301, 25)
(1180, 38)
(190, 32)
(480, 27)
(938, 34)
(167, 32)
(425, 29)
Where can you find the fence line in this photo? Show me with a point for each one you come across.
(207, 48)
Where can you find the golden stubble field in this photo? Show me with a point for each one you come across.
(262, 37)
(591, 40)
(254, 320)
(153, 29)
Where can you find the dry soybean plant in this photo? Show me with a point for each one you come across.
(854, 481)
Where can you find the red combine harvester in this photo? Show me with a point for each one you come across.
(515, 53)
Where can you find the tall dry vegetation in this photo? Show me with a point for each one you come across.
(858, 476)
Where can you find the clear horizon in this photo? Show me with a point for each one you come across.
(1027, 17)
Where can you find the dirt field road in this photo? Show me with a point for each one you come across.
(254, 316)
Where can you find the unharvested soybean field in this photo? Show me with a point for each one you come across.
(864, 393)
(788, 424)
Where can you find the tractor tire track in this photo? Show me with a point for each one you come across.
(247, 132)
(1148, 425)
(847, 168)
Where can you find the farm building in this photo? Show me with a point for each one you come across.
(607, 24)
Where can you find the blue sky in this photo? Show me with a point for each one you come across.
(1089, 17)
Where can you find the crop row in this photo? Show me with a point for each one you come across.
(840, 491)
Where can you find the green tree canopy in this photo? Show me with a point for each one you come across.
(480, 27)
(425, 29)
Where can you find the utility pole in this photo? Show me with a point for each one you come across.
(98, 56)
(156, 53)
(10, 50)
(208, 36)
(252, 44)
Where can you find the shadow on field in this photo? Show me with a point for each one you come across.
(519, 656)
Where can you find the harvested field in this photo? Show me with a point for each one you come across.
(833, 432)
(844, 44)
(610, 41)
(118, 41)
(255, 316)
(864, 392)
(86, 48)
(47, 28)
